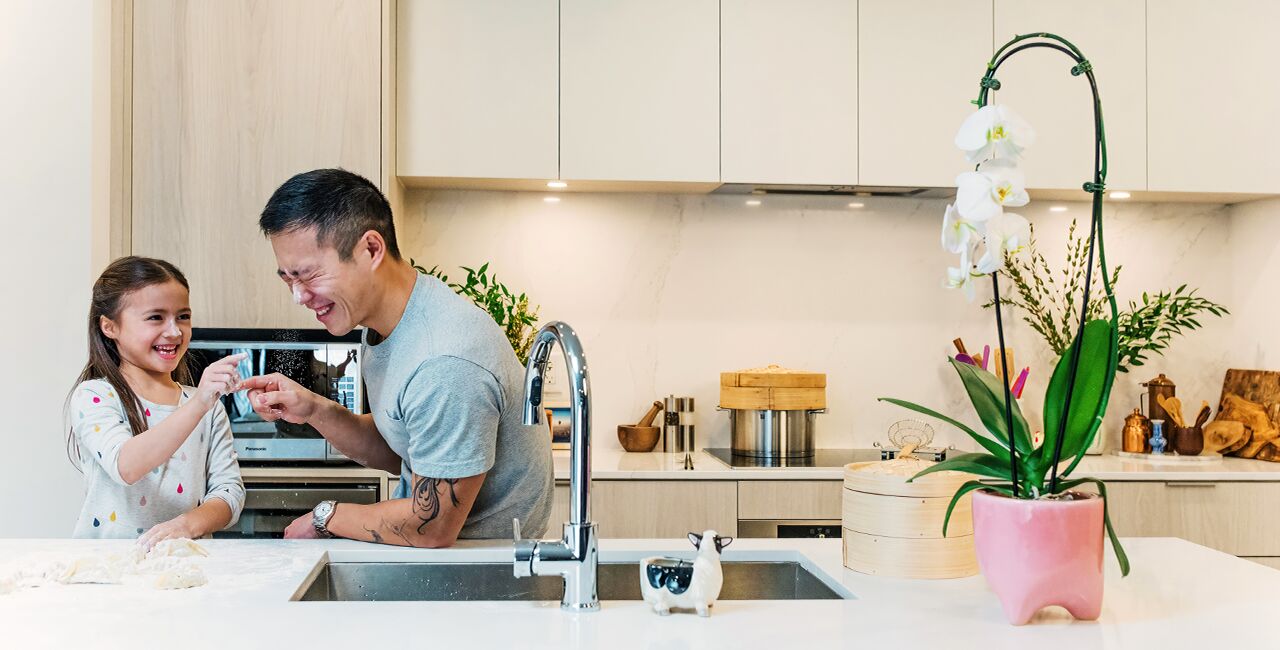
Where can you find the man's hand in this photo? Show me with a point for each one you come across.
(301, 528)
(276, 397)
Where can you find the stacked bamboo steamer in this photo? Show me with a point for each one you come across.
(894, 528)
(773, 388)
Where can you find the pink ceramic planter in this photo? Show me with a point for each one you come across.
(1036, 553)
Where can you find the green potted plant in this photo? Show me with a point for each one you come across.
(1039, 541)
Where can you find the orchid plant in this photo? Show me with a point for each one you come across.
(978, 228)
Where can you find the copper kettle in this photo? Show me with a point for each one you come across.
(1159, 389)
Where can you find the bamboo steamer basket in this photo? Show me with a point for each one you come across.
(773, 388)
(894, 528)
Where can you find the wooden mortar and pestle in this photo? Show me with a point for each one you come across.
(642, 436)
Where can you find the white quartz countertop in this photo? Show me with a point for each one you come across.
(1179, 595)
(612, 463)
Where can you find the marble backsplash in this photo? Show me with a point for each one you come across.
(667, 291)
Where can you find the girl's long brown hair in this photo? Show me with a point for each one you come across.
(121, 277)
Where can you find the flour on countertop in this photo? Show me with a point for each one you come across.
(170, 564)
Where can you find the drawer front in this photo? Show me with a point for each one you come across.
(1237, 518)
(789, 499)
(653, 509)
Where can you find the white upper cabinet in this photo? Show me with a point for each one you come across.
(477, 89)
(1037, 84)
(789, 91)
(640, 90)
(919, 65)
(1213, 84)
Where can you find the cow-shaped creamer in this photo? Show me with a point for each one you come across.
(668, 583)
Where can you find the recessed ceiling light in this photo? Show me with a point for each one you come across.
(1118, 195)
(557, 185)
(551, 199)
(753, 202)
(857, 205)
(1057, 208)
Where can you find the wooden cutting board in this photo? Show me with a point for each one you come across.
(1261, 386)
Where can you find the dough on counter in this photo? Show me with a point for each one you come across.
(92, 569)
(181, 576)
(179, 547)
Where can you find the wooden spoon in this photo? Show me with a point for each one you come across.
(1204, 414)
(1173, 407)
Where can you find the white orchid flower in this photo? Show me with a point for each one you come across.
(962, 277)
(1006, 233)
(994, 131)
(957, 232)
(983, 194)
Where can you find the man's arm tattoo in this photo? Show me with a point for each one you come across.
(376, 536)
(426, 498)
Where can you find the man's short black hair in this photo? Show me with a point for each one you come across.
(342, 207)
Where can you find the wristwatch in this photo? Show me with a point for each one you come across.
(321, 515)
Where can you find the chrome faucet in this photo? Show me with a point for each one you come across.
(574, 556)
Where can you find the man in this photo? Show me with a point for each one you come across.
(444, 387)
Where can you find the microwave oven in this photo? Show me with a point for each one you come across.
(325, 364)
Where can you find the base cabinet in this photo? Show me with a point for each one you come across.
(654, 509)
(1233, 517)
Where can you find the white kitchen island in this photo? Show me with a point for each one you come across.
(1179, 595)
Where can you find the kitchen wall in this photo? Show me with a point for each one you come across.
(1254, 257)
(45, 177)
(667, 291)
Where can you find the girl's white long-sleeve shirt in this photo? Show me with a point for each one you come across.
(202, 468)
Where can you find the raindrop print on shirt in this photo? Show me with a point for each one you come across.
(143, 501)
(96, 399)
(113, 516)
(148, 411)
(184, 456)
(96, 523)
(179, 488)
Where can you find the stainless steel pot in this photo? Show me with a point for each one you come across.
(767, 433)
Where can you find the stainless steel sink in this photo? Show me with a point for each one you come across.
(348, 581)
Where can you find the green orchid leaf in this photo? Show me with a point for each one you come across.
(967, 488)
(986, 392)
(1088, 398)
(972, 463)
(996, 448)
(1121, 557)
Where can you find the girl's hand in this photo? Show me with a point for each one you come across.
(219, 379)
(175, 528)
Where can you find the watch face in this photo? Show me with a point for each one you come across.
(323, 510)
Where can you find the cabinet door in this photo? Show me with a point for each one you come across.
(790, 499)
(477, 88)
(919, 64)
(639, 90)
(657, 509)
(230, 99)
(1212, 96)
(789, 91)
(1037, 84)
(1237, 518)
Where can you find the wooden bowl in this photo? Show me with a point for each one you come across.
(636, 438)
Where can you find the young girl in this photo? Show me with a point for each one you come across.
(156, 453)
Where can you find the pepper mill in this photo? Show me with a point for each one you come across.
(677, 425)
(1160, 387)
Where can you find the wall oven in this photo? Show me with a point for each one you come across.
(320, 362)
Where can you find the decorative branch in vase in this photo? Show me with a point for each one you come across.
(1145, 327)
(1038, 541)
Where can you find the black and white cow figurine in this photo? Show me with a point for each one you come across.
(668, 583)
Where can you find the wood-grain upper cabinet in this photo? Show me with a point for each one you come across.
(478, 86)
(1037, 84)
(919, 63)
(229, 100)
(1213, 98)
(789, 91)
(640, 90)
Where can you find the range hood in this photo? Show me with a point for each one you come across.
(835, 190)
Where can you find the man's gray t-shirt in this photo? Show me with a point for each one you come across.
(446, 392)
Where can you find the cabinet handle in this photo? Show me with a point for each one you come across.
(1191, 484)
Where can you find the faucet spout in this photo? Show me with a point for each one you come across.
(574, 556)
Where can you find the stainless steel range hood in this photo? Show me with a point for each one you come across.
(835, 190)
